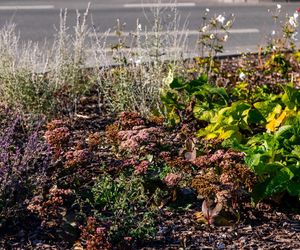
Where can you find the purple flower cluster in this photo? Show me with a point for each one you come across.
(23, 165)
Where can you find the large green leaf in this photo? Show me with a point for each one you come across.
(280, 182)
(252, 160)
(265, 107)
(296, 151)
(258, 192)
(177, 84)
(169, 98)
(291, 96)
(284, 131)
(197, 86)
(203, 114)
(255, 116)
(294, 188)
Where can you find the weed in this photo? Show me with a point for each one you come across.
(119, 201)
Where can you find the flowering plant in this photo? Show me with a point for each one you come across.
(23, 170)
(212, 35)
(284, 34)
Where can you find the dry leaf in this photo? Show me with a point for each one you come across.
(191, 153)
(77, 246)
(190, 145)
(190, 156)
(209, 212)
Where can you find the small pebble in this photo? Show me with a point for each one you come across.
(220, 245)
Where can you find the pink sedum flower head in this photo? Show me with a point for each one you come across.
(172, 179)
(142, 167)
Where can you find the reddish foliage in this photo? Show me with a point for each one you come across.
(51, 209)
(77, 157)
(94, 140)
(95, 236)
(57, 136)
(142, 167)
(127, 120)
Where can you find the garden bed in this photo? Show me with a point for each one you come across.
(192, 178)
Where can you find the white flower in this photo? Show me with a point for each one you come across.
(273, 33)
(139, 27)
(220, 19)
(212, 36)
(293, 21)
(294, 36)
(138, 60)
(225, 38)
(295, 15)
(204, 28)
(207, 9)
(242, 76)
(278, 6)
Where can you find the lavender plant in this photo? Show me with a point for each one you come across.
(24, 160)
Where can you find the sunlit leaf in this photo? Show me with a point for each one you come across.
(199, 217)
(275, 123)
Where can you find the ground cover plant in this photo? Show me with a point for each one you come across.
(211, 160)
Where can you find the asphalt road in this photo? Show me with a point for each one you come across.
(36, 20)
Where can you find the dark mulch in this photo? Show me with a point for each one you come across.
(263, 228)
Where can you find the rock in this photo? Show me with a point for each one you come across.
(186, 196)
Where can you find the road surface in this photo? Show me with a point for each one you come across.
(36, 20)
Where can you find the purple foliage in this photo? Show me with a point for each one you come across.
(23, 166)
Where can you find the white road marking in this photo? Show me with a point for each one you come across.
(179, 32)
(241, 31)
(27, 7)
(153, 5)
(110, 50)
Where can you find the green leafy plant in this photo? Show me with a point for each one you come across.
(120, 202)
(278, 63)
(275, 160)
(228, 122)
(194, 97)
